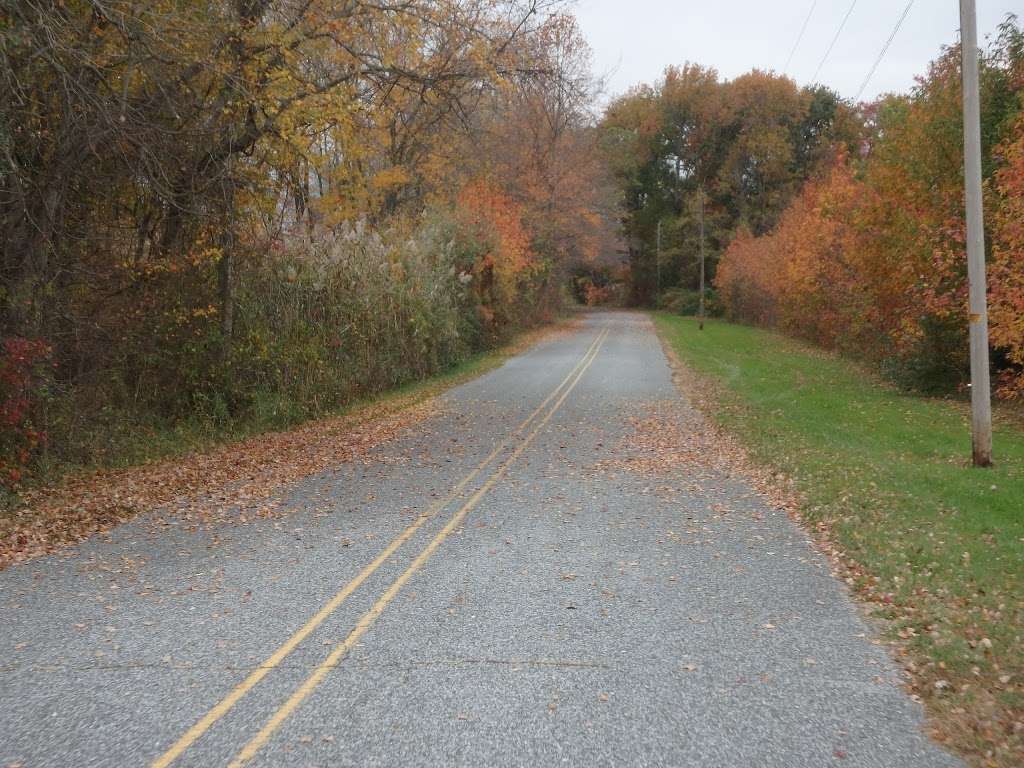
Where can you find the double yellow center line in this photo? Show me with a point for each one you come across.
(559, 396)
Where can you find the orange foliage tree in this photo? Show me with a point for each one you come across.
(501, 255)
(1007, 273)
(869, 257)
(534, 140)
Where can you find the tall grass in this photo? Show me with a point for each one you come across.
(318, 322)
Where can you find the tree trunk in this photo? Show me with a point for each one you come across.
(225, 269)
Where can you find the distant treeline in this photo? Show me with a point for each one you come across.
(842, 224)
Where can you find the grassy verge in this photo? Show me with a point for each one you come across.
(935, 545)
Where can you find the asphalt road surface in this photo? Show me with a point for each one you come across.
(547, 572)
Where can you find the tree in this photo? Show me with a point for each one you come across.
(744, 147)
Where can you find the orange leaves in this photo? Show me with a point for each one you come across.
(744, 278)
(792, 276)
(828, 272)
(502, 253)
(873, 263)
(497, 221)
(1007, 271)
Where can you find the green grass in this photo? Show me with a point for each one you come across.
(939, 544)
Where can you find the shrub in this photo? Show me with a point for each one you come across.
(318, 320)
(935, 362)
(686, 301)
(24, 369)
(337, 316)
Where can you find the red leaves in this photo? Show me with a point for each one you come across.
(23, 364)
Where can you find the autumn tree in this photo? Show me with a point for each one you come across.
(535, 139)
(161, 162)
(743, 146)
(869, 258)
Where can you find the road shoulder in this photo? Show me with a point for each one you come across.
(870, 474)
(241, 478)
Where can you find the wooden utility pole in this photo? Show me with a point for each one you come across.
(700, 193)
(981, 399)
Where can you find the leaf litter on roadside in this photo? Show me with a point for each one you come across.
(240, 479)
(983, 717)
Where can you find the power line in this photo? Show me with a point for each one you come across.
(832, 45)
(881, 55)
(800, 37)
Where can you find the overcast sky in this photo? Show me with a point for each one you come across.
(633, 40)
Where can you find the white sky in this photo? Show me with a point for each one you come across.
(633, 40)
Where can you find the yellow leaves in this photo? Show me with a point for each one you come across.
(389, 179)
(208, 311)
(343, 203)
(186, 316)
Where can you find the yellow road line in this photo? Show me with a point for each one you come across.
(371, 616)
(229, 701)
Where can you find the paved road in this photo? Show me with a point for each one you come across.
(545, 573)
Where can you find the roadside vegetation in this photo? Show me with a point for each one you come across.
(839, 223)
(869, 258)
(223, 217)
(696, 151)
(935, 545)
(199, 474)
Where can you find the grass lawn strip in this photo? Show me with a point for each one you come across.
(935, 546)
